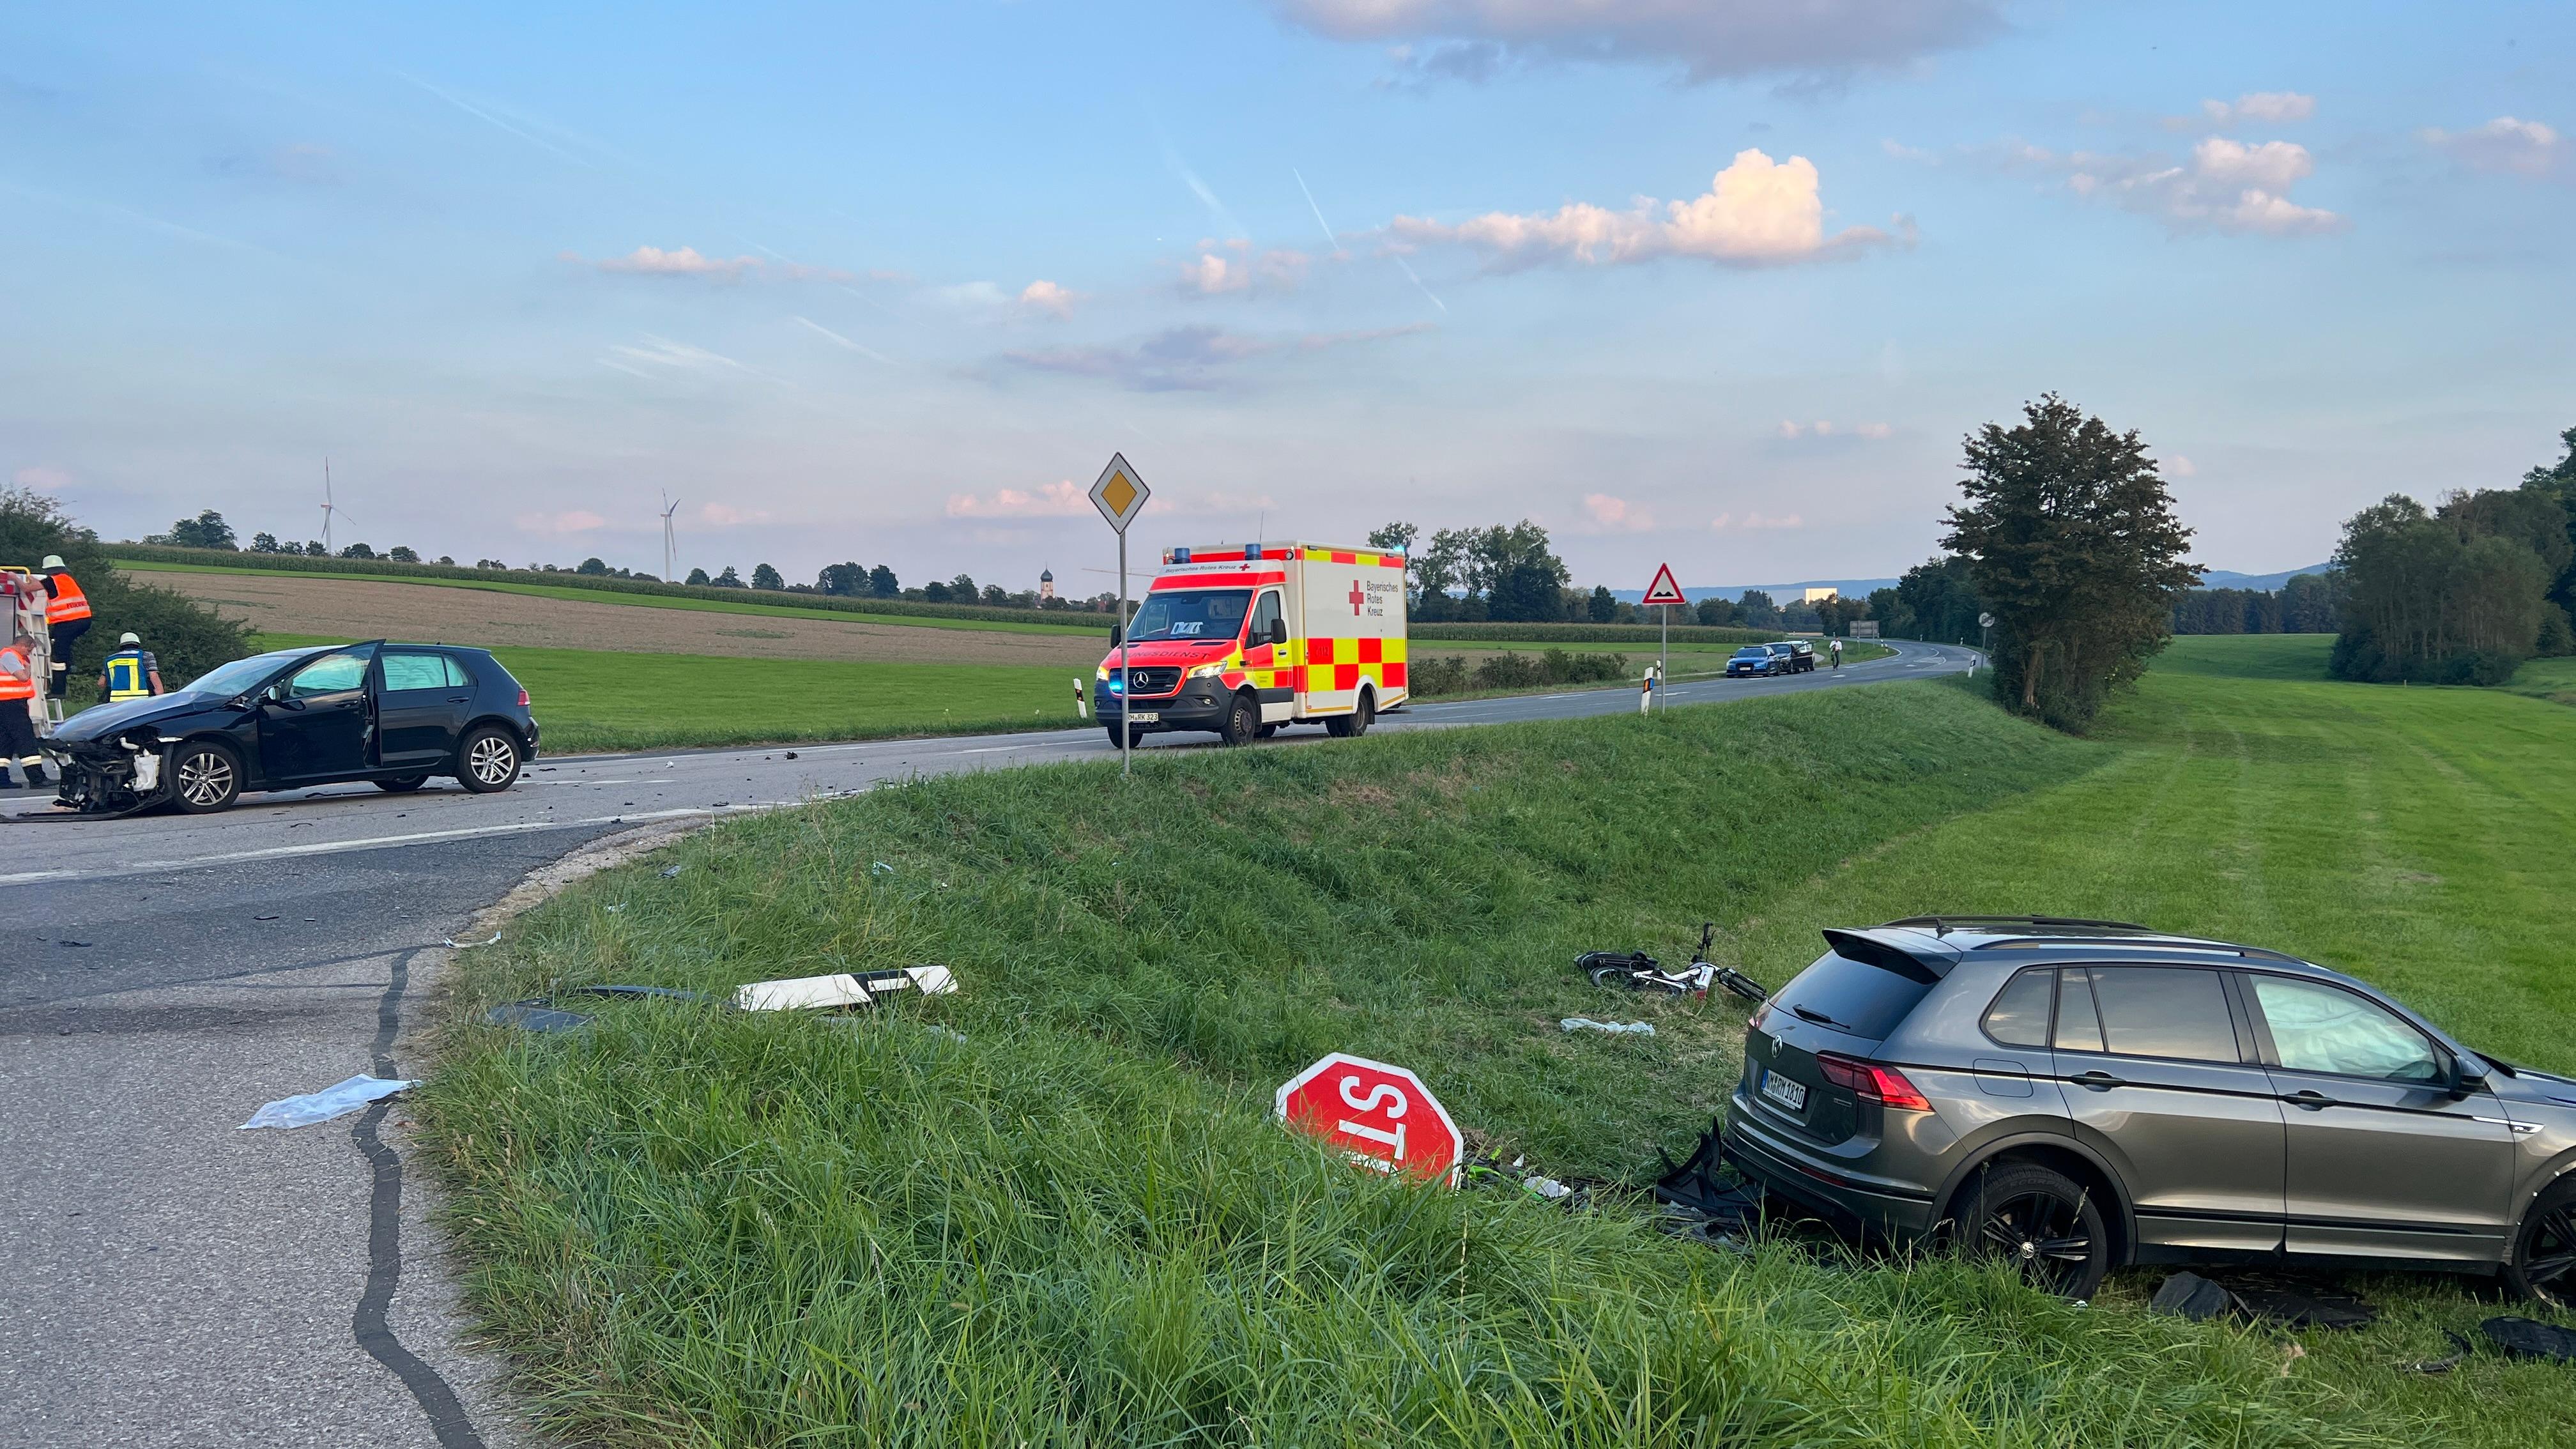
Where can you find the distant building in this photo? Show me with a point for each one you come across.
(1818, 596)
(1046, 583)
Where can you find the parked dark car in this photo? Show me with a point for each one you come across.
(394, 714)
(1753, 659)
(1797, 656)
(2074, 1095)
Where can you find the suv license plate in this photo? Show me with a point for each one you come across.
(1147, 716)
(1789, 1094)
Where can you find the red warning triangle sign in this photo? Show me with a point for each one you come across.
(1663, 590)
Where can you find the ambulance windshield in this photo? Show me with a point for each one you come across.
(1192, 615)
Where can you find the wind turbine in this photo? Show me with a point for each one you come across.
(330, 510)
(670, 541)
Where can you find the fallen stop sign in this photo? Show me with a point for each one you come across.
(1379, 1115)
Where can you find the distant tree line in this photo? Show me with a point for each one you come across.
(2305, 604)
(2464, 592)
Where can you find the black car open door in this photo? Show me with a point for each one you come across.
(422, 698)
(319, 723)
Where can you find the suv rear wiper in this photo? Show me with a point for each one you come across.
(1820, 1018)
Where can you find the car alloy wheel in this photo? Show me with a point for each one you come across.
(2042, 1224)
(492, 760)
(204, 779)
(2543, 1267)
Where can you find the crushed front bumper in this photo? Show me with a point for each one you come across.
(109, 777)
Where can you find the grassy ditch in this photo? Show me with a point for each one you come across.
(1076, 1225)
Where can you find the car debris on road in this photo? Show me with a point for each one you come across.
(337, 1100)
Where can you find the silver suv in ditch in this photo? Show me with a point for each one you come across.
(2074, 1095)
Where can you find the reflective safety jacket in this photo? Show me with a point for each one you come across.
(68, 603)
(17, 673)
(129, 675)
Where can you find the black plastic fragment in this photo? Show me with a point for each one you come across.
(2529, 1338)
(2189, 1295)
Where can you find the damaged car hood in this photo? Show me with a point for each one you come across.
(102, 720)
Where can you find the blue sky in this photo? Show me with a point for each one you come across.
(1681, 279)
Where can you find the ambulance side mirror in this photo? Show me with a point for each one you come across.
(1117, 635)
(1278, 631)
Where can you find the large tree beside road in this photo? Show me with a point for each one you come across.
(2073, 546)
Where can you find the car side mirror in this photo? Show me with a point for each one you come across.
(1279, 632)
(1117, 635)
(2460, 1081)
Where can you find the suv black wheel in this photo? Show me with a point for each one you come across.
(2039, 1220)
(1356, 723)
(204, 777)
(403, 786)
(1242, 720)
(2543, 1265)
(488, 760)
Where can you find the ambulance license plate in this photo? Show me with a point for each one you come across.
(1789, 1094)
(1147, 716)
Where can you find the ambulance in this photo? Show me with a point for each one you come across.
(1238, 639)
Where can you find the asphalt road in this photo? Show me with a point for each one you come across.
(173, 1281)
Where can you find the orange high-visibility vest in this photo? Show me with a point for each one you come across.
(17, 674)
(68, 602)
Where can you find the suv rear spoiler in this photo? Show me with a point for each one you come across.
(1854, 946)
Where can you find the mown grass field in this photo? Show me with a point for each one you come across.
(587, 700)
(1077, 1226)
(2550, 679)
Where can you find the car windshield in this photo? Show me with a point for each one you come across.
(1192, 614)
(241, 674)
(1753, 652)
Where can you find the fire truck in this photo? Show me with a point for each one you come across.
(1238, 639)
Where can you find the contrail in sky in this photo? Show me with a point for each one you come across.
(845, 342)
(483, 115)
(1337, 241)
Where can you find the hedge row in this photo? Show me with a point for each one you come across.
(287, 563)
(1590, 633)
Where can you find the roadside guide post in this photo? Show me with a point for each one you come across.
(1986, 625)
(1120, 495)
(1663, 593)
(1378, 1116)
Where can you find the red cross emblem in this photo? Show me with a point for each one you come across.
(1356, 598)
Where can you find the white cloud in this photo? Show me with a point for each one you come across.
(1825, 428)
(1756, 212)
(718, 515)
(972, 296)
(1616, 515)
(558, 525)
(662, 352)
(42, 479)
(1063, 499)
(1233, 267)
(1729, 523)
(1180, 359)
(1046, 297)
(2527, 148)
(2271, 108)
(2181, 467)
(2226, 185)
(685, 262)
(1899, 151)
(1477, 39)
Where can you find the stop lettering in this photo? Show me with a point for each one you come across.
(1378, 1115)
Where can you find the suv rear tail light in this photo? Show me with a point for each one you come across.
(523, 699)
(1754, 1022)
(1871, 1082)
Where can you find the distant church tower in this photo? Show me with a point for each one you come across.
(1046, 583)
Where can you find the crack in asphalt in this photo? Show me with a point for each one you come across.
(447, 1417)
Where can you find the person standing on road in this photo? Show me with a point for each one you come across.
(131, 672)
(1836, 647)
(66, 619)
(17, 725)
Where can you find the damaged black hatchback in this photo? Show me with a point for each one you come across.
(393, 714)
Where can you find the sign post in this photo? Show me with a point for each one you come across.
(1986, 642)
(1120, 495)
(1664, 592)
(1377, 1115)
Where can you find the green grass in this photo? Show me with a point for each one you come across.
(587, 700)
(1076, 1225)
(2550, 679)
(854, 614)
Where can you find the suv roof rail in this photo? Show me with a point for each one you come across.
(1943, 925)
(2147, 943)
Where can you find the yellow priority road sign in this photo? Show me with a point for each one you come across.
(1119, 495)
